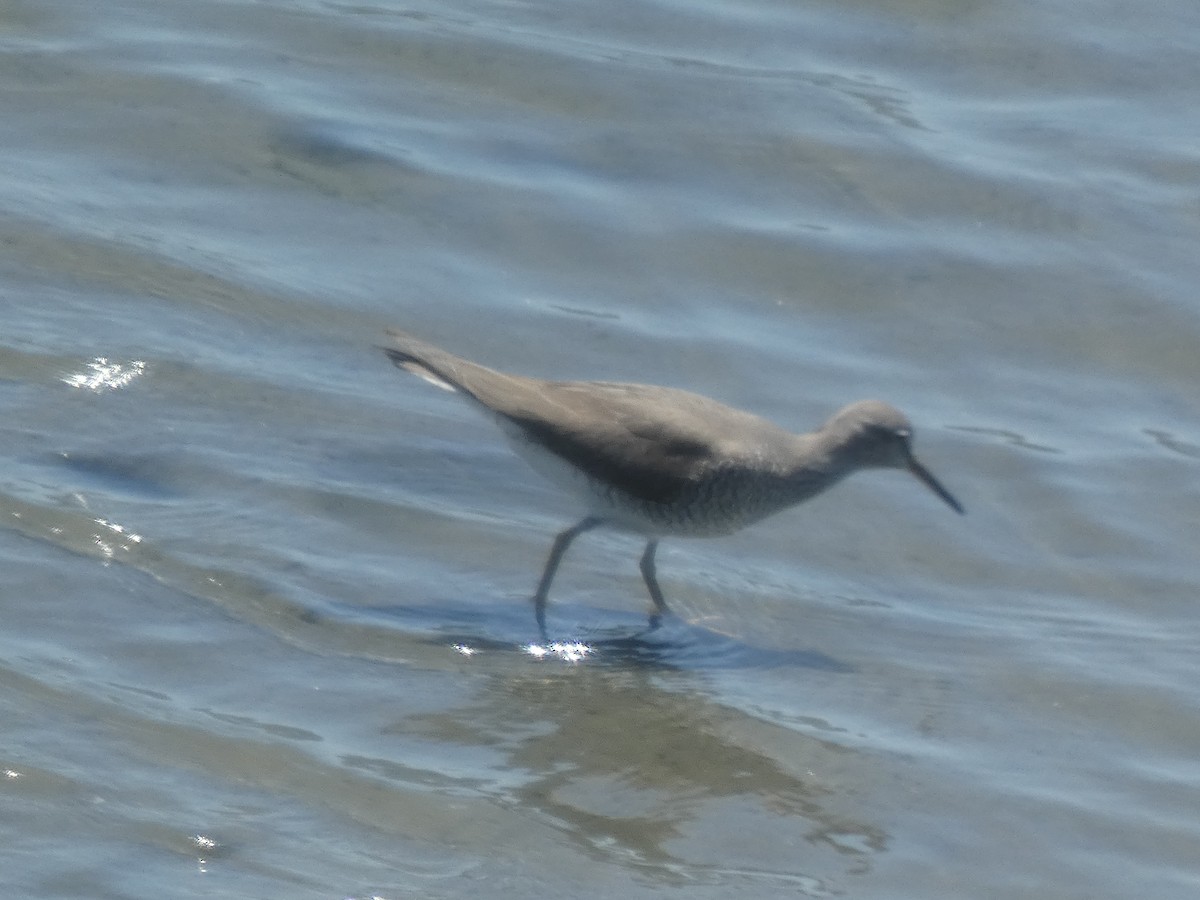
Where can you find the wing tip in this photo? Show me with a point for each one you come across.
(413, 366)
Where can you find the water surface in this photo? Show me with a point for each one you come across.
(265, 611)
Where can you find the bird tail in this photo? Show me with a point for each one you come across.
(499, 392)
(435, 365)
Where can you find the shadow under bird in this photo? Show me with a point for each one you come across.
(660, 461)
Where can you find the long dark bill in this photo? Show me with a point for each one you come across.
(934, 485)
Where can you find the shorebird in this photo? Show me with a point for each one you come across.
(659, 461)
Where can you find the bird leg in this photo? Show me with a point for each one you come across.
(561, 543)
(648, 573)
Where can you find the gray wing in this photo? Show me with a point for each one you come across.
(653, 443)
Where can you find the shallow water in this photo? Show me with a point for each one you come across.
(265, 616)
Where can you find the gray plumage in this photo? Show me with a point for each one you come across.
(661, 461)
